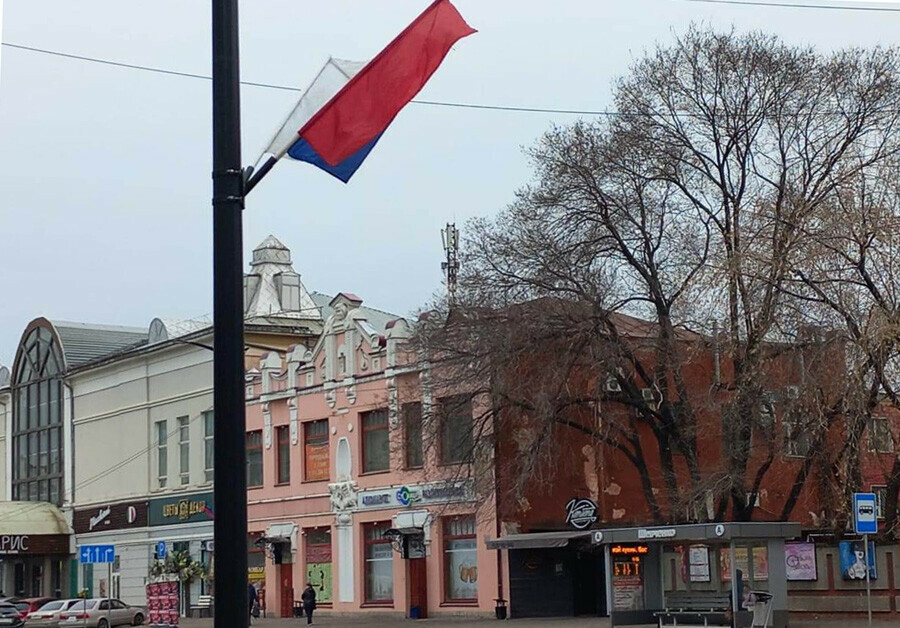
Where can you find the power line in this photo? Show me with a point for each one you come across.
(791, 5)
(287, 88)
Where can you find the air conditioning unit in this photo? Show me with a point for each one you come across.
(647, 394)
(612, 384)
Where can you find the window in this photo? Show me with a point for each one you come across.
(315, 450)
(412, 433)
(460, 559)
(162, 454)
(36, 433)
(284, 454)
(797, 441)
(376, 456)
(880, 438)
(318, 563)
(456, 430)
(880, 497)
(379, 568)
(254, 458)
(184, 449)
(209, 447)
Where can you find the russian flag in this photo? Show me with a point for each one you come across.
(349, 105)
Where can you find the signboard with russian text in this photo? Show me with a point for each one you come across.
(181, 509)
(316, 461)
(34, 544)
(416, 495)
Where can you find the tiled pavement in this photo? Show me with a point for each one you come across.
(581, 622)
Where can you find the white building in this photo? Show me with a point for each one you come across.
(113, 427)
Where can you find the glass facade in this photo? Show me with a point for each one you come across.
(38, 416)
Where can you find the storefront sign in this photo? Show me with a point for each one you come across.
(800, 561)
(418, 495)
(110, 517)
(176, 510)
(629, 550)
(581, 513)
(34, 544)
(664, 533)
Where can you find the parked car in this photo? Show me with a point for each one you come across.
(102, 613)
(9, 617)
(47, 616)
(31, 604)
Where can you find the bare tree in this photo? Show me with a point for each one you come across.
(689, 209)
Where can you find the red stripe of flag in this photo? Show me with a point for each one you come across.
(372, 99)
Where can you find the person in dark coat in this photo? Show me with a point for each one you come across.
(309, 601)
(251, 591)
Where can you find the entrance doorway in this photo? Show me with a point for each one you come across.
(416, 576)
(286, 581)
(589, 583)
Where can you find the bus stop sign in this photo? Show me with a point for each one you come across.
(864, 513)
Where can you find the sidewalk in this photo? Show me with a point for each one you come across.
(375, 621)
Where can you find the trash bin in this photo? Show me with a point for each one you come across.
(762, 608)
(415, 612)
(500, 609)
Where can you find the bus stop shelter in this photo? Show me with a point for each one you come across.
(653, 569)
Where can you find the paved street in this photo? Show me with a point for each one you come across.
(385, 622)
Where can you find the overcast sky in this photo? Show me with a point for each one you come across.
(105, 172)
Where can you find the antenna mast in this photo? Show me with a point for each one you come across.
(450, 236)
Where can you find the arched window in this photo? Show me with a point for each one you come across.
(37, 469)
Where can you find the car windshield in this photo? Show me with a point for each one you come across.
(80, 606)
(52, 606)
(23, 606)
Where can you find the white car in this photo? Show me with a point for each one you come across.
(47, 616)
(102, 613)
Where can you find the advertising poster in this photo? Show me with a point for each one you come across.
(698, 563)
(319, 575)
(741, 557)
(800, 561)
(163, 604)
(316, 460)
(853, 560)
(628, 593)
(760, 563)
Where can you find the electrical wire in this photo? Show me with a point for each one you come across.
(791, 5)
(432, 103)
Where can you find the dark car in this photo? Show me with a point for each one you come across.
(9, 617)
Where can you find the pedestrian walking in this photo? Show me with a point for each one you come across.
(251, 591)
(309, 601)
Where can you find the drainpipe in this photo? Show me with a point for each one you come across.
(71, 442)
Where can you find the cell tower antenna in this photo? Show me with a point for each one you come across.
(450, 237)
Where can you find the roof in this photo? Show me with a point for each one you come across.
(84, 342)
(32, 518)
(270, 267)
(378, 319)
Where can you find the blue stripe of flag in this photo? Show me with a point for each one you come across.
(303, 151)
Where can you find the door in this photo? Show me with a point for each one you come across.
(119, 614)
(286, 578)
(417, 580)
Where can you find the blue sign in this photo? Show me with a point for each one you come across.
(161, 550)
(97, 554)
(865, 515)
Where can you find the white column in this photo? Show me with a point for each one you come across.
(346, 562)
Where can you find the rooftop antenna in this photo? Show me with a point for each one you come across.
(450, 236)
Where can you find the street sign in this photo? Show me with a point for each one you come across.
(865, 520)
(161, 550)
(96, 554)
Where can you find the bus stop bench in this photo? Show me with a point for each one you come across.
(695, 607)
(204, 604)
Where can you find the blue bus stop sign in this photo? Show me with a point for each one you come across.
(865, 519)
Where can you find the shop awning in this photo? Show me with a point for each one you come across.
(33, 518)
(536, 540)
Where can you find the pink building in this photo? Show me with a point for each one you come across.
(343, 492)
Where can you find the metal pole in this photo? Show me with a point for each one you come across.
(231, 599)
(868, 589)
